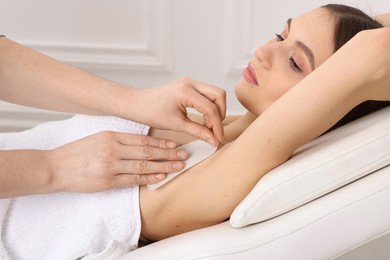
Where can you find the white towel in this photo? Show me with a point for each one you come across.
(3, 211)
(54, 134)
(114, 250)
(65, 225)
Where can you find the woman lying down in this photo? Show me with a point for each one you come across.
(284, 112)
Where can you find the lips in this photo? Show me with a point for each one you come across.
(249, 74)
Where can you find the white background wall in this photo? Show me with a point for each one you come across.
(148, 42)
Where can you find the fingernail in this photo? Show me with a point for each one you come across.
(160, 176)
(205, 120)
(178, 165)
(182, 154)
(171, 144)
(211, 142)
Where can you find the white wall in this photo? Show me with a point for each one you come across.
(148, 42)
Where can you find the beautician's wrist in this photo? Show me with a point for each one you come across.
(129, 100)
(39, 178)
(52, 182)
(122, 103)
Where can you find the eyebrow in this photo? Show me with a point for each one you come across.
(308, 52)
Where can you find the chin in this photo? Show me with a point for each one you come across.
(246, 105)
(241, 96)
(241, 90)
(245, 96)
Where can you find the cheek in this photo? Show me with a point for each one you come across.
(278, 92)
(258, 98)
(280, 87)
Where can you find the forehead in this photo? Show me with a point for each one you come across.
(316, 30)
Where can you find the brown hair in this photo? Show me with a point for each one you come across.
(348, 22)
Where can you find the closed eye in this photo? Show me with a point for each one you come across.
(279, 37)
(293, 65)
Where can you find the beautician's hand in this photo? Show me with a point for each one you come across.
(164, 107)
(109, 160)
(161, 107)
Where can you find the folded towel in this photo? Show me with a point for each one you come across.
(67, 225)
(51, 135)
(4, 203)
(71, 226)
(114, 250)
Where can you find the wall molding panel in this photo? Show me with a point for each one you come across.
(154, 54)
(15, 121)
(17, 118)
(239, 35)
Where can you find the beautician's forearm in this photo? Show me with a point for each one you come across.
(33, 79)
(20, 174)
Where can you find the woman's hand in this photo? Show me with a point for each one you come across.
(364, 61)
(374, 45)
(109, 160)
(384, 19)
(164, 107)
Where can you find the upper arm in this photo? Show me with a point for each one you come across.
(202, 196)
(208, 193)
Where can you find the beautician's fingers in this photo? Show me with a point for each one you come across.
(150, 153)
(126, 180)
(165, 107)
(141, 147)
(210, 101)
(144, 140)
(212, 107)
(91, 164)
(143, 167)
(203, 132)
(214, 94)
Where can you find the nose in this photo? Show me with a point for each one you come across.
(265, 55)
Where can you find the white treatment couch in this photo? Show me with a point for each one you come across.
(331, 200)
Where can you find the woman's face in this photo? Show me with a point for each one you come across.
(305, 43)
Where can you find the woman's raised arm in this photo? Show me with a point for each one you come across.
(210, 191)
